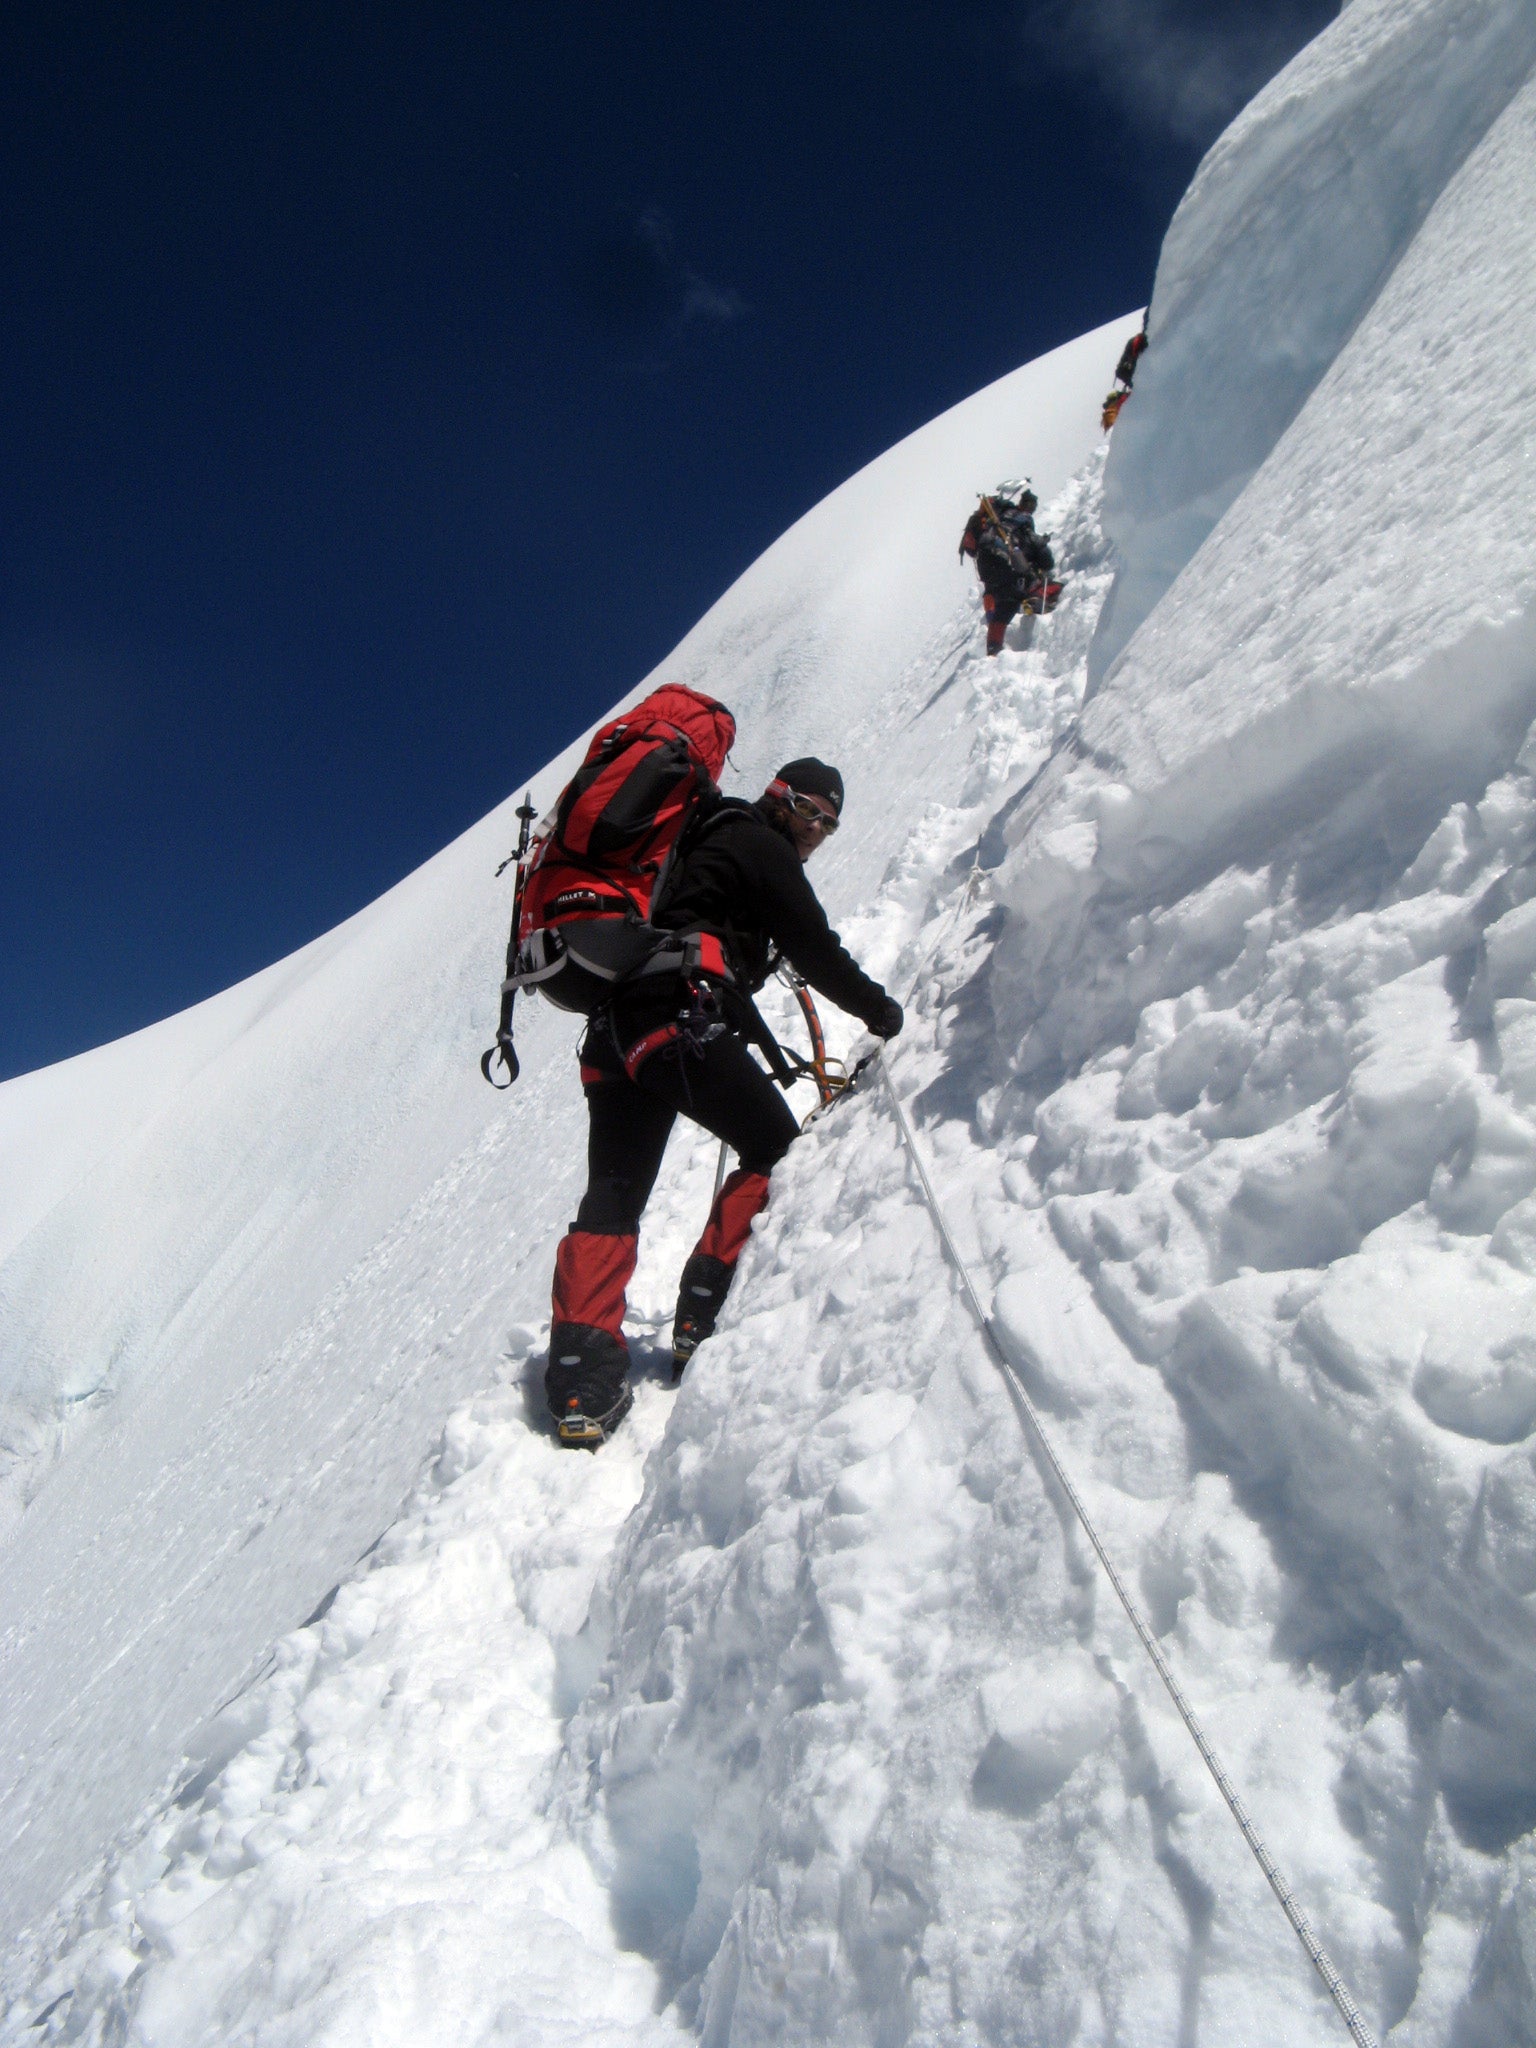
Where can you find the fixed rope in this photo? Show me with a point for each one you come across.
(1321, 1961)
(946, 930)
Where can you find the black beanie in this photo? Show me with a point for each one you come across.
(811, 777)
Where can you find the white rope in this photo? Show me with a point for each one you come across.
(973, 876)
(1349, 2012)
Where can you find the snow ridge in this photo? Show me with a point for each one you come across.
(770, 1621)
(865, 1709)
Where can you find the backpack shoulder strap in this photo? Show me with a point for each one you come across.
(698, 827)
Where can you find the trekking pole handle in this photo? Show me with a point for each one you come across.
(507, 1053)
(525, 814)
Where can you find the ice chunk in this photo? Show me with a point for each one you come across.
(1515, 1237)
(1040, 1725)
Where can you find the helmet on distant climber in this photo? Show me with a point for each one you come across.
(1015, 496)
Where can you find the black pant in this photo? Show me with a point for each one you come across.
(720, 1086)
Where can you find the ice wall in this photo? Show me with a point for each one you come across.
(1266, 985)
(1291, 227)
(1353, 647)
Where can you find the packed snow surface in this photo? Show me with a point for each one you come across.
(258, 1253)
(803, 1712)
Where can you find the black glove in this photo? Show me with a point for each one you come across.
(888, 1021)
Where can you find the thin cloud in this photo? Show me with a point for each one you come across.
(632, 284)
(715, 304)
(1178, 68)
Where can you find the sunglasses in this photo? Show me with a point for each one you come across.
(811, 811)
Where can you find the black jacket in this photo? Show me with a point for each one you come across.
(740, 877)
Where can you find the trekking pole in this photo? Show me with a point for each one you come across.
(725, 1153)
(503, 1049)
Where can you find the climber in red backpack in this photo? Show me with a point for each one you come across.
(672, 1038)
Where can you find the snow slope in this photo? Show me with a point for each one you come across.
(254, 1255)
(804, 1714)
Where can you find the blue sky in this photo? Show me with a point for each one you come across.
(383, 392)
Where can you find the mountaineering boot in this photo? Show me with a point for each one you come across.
(587, 1380)
(700, 1297)
(587, 1384)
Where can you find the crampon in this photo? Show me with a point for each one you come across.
(579, 1431)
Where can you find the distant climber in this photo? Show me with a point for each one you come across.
(1012, 560)
(677, 1043)
(1125, 375)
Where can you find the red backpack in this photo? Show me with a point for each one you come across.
(597, 868)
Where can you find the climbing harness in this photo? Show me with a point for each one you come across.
(684, 1037)
(1321, 1961)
